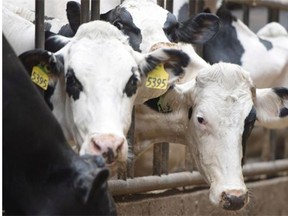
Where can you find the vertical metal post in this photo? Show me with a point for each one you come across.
(160, 3)
(131, 134)
(95, 9)
(157, 155)
(273, 15)
(246, 14)
(85, 15)
(169, 5)
(39, 23)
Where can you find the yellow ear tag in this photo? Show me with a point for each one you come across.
(157, 78)
(40, 77)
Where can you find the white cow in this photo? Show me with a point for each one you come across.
(96, 78)
(264, 55)
(213, 115)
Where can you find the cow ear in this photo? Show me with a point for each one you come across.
(198, 29)
(272, 107)
(52, 63)
(169, 64)
(73, 10)
(174, 62)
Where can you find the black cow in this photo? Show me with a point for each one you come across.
(41, 173)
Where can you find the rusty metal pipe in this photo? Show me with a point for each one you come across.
(150, 183)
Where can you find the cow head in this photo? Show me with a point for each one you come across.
(219, 108)
(96, 78)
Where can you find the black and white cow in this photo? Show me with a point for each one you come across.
(264, 55)
(94, 82)
(42, 175)
(147, 24)
(213, 115)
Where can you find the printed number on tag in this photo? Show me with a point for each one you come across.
(39, 77)
(157, 78)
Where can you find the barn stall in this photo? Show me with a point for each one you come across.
(185, 192)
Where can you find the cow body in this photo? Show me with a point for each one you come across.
(213, 115)
(96, 80)
(264, 55)
(42, 175)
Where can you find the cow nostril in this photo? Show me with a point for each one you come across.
(231, 202)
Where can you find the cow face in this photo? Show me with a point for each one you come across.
(95, 89)
(146, 24)
(224, 107)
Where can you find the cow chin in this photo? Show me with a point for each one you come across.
(231, 199)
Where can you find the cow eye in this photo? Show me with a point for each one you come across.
(118, 25)
(200, 120)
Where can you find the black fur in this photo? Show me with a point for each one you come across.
(73, 85)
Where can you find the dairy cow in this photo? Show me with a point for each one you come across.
(93, 83)
(213, 115)
(264, 55)
(147, 24)
(42, 175)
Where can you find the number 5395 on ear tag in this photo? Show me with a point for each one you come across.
(39, 77)
(157, 78)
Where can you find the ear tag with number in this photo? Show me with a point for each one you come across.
(157, 78)
(39, 76)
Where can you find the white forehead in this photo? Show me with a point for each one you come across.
(139, 8)
(223, 90)
(100, 50)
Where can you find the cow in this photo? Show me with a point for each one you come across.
(146, 24)
(213, 115)
(264, 55)
(42, 175)
(93, 83)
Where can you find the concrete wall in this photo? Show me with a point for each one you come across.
(267, 197)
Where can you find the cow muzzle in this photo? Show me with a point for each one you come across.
(107, 145)
(233, 199)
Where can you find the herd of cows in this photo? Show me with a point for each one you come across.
(67, 109)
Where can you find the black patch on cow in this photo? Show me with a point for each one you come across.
(283, 112)
(248, 126)
(268, 45)
(151, 63)
(66, 31)
(182, 60)
(73, 85)
(197, 30)
(224, 46)
(131, 86)
(281, 92)
(123, 20)
(52, 43)
(190, 113)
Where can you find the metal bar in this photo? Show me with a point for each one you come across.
(150, 183)
(157, 156)
(169, 5)
(165, 158)
(85, 13)
(283, 5)
(161, 3)
(273, 15)
(39, 23)
(272, 144)
(95, 9)
(246, 14)
(130, 135)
